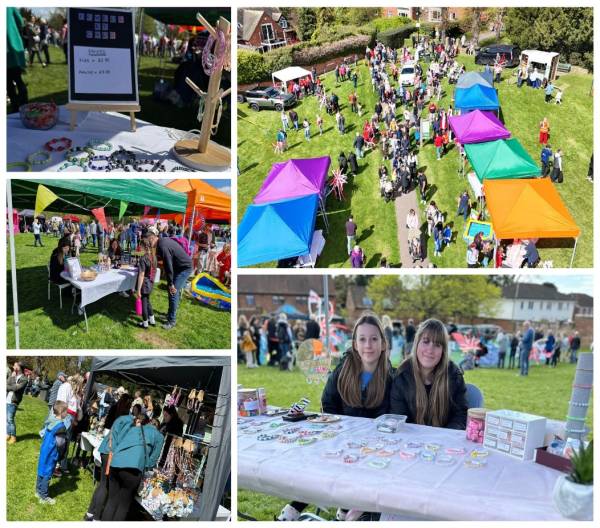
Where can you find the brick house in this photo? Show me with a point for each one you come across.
(264, 29)
(263, 294)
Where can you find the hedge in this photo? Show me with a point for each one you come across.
(395, 37)
(250, 66)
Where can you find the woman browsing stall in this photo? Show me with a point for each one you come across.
(428, 388)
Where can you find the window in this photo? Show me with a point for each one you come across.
(250, 301)
(283, 23)
(549, 306)
(435, 14)
(530, 305)
(560, 306)
(266, 32)
(522, 305)
(278, 299)
(301, 300)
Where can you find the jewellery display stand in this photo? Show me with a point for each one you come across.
(89, 107)
(203, 154)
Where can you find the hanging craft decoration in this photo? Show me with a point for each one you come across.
(314, 361)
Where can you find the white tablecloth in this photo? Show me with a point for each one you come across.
(506, 489)
(91, 442)
(104, 284)
(148, 142)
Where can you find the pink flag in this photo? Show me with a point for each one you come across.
(99, 214)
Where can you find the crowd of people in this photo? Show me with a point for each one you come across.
(135, 426)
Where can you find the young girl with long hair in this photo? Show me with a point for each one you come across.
(145, 282)
(428, 388)
(359, 386)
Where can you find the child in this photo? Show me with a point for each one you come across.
(249, 349)
(53, 443)
(320, 124)
(77, 242)
(211, 260)
(145, 283)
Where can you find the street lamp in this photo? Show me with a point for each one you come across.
(418, 25)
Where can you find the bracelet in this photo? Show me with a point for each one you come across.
(307, 440)
(455, 451)
(41, 157)
(93, 166)
(182, 168)
(288, 439)
(445, 460)
(407, 455)
(479, 453)
(267, 437)
(117, 158)
(71, 154)
(98, 144)
(212, 61)
(305, 433)
(157, 165)
(576, 404)
(379, 463)
(413, 445)
(290, 430)
(328, 434)
(68, 164)
(475, 464)
(355, 445)
(63, 143)
(26, 166)
(334, 453)
(576, 386)
(367, 450)
(385, 453)
(427, 456)
(433, 446)
(575, 419)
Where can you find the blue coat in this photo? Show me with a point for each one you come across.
(49, 450)
(128, 447)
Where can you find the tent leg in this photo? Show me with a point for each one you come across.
(495, 251)
(13, 263)
(573, 254)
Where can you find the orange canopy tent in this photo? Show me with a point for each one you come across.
(208, 202)
(529, 208)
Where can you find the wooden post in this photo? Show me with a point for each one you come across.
(89, 107)
(203, 154)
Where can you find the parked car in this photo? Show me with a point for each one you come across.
(508, 52)
(407, 74)
(488, 331)
(266, 98)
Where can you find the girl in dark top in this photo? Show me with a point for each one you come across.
(57, 260)
(428, 388)
(359, 386)
(145, 282)
(114, 251)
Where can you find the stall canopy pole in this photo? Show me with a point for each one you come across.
(192, 223)
(573, 254)
(13, 263)
(326, 295)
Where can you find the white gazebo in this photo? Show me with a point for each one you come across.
(289, 74)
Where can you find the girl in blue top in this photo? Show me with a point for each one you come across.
(136, 446)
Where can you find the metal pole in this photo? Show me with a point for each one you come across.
(573, 254)
(326, 295)
(13, 263)
(192, 224)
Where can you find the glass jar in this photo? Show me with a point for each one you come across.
(476, 424)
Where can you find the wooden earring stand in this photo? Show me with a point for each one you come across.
(203, 154)
(89, 107)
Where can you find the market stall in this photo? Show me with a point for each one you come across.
(419, 472)
(468, 79)
(529, 209)
(476, 97)
(190, 478)
(501, 159)
(542, 64)
(477, 127)
(291, 73)
(277, 230)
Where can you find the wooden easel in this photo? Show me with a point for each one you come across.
(89, 107)
(203, 154)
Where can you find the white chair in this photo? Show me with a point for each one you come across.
(60, 287)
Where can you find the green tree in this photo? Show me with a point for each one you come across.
(476, 21)
(384, 291)
(444, 23)
(307, 23)
(566, 30)
(57, 18)
(362, 15)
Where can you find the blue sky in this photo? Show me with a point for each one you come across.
(565, 283)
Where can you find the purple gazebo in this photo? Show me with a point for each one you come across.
(478, 127)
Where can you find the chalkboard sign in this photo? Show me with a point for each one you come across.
(102, 62)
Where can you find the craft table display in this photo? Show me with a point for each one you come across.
(111, 281)
(419, 471)
(108, 130)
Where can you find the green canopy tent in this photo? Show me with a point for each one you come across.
(82, 195)
(500, 160)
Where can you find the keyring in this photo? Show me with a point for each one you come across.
(16, 164)
(41, 157)
(58, 144)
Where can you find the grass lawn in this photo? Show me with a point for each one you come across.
(112, 320)
(521, 110)
(545, 392)
(50, 84)
(72, 493)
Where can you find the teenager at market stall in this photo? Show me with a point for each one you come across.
(135, 446)
(177, 265)
(57, 260)
(429, 388)
(145, 283)
(119, 409)
(359, 386)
